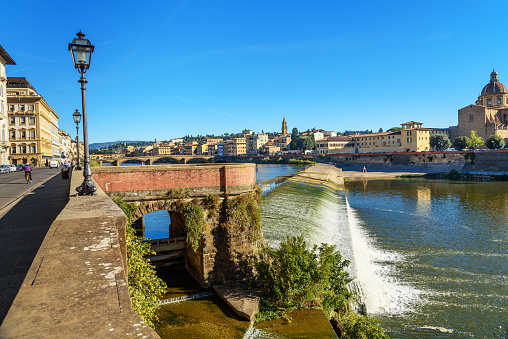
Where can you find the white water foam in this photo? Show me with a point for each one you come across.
(382, 292)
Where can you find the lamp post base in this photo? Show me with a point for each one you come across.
(87, 188)
(78, 168)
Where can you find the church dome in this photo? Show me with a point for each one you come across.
(494, 86)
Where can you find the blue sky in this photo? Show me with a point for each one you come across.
(164, 69)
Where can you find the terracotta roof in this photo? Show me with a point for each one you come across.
(6, 56)
(494, 87)
(376, 134)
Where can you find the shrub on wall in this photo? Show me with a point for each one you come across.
(145, 287)
(244, 211)
(194, 223)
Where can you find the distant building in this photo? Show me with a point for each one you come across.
(332, 145)
(33, 125)
(254, 142)
(283, 141)
(284, 130)
(235, 147)
(5, 59)
(247, 132)
(488, 116)
(330, 134)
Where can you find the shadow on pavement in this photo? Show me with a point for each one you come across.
(22, 231)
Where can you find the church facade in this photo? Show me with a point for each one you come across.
(488, 116)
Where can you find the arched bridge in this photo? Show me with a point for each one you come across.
(149, 160)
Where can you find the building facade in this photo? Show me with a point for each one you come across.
(33, 125)
(284, 129)
(254, 142)
(488, 116)
(5, 59)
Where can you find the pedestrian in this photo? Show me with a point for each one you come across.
(364, 169)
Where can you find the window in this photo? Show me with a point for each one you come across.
(13, 149)
(22, 120)
(23, 135)
(409, 140)
(471, 117)
(32, 107)
(13, 121)
(32, 120)
(21, 108)
(499, 101)
(32, 134)
(489, 101)
(24, 149)
(33, 149)
(408, 132)
(11, 107)
(13, 134)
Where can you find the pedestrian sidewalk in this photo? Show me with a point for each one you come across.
(22, 230)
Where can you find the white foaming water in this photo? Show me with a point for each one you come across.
(383, 294)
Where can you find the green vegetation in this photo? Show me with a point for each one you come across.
(495, 142)
(470, 156)
(475, 141)
(440, 141)
(177, 193)
(244, 211)
(297, 277)
(145, 288)
(394, 129)
(460, 143)
(360, 327)
(194, 215)
(303, 143)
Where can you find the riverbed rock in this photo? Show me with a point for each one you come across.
(245, 303)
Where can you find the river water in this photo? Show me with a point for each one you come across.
(430, 255)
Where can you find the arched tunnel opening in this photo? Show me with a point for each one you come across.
(166, 231)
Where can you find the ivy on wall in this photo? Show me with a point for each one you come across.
(145, 287)
(244, 211)
(194, 215)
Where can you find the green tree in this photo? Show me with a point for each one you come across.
(461, 143)
(295, 276)
(394, 129)
(380, 130)
(294, 132)
(495, 142)
(440, 141)
(475, 141)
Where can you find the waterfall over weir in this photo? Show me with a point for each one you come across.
(323, 215)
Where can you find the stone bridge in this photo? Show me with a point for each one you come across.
(149, 160)
(227, 238)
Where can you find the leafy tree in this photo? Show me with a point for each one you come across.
(294, 276)
(440, 141)
(461, 143)
(302, 143)
(394, 129)
(380, 130)
(475, 141)
(294, 132)
(495, 142)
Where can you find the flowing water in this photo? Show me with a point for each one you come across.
(431, 256)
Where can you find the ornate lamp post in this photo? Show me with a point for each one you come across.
(77, 118)
(81, 50)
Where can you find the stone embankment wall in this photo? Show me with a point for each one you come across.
(145, 182)
(431, 161)
(226, 244)
(77, 284)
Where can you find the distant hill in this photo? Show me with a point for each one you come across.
(97, 145)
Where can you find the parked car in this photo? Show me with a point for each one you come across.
(13, 168)
(21, 168)
(451, 149)
(5, 169)
(53, 164)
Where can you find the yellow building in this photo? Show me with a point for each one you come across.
(33, 125)
(414, 137)
(5, 59)
(235, 147)
(333, 145)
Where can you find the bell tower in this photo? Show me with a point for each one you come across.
(284, 127)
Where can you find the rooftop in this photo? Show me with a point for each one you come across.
(6, 56)
(19, 82)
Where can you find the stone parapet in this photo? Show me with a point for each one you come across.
(77, 286)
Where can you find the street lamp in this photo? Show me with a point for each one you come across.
(77, 118)
(81, 50)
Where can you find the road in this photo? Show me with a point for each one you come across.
(26, 213)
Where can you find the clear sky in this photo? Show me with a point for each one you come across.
(164, 69)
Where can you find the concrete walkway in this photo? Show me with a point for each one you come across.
(27, 217)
